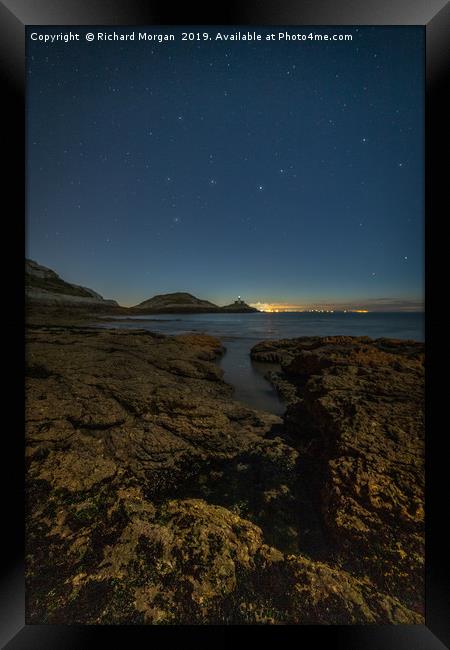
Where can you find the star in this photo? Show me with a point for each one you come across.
(260, 188)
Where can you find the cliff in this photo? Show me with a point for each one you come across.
(42, 285)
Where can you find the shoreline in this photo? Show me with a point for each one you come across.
(154, 497)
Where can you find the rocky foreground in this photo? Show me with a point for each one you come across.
(154, 498)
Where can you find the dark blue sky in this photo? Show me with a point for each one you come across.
(282, 172)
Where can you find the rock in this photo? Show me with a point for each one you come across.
(175, 303)
(319, 594)
(43, 285)
(186, 303)
(355, 414)
(239, 307)
(154, 498)
(114, 410)
(190, 562)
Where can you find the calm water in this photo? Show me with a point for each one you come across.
(239, 332)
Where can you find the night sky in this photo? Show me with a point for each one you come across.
(283, 172)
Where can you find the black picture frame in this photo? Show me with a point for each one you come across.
(15, 15)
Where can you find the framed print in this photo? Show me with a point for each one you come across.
(227, 223)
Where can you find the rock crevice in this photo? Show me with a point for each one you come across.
(153, 497)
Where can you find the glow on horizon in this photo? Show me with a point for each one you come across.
(282, 307)
(357, 308)
(277, 307)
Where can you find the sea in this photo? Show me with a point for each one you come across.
(240, 332)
